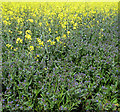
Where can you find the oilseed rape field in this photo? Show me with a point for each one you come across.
(60, 56)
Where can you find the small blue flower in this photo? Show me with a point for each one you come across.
(17, 104)
(61, 108)
(96, 100)
(3, 100)
(47, 93)
(45, 105)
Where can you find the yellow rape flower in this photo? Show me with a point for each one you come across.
(38, 56)
(41, 43)
(5, 22)
(68, 32)
(40, 23)
(19, 40)
(27, 36)
(101, 29)
(10, 31)
(63, 26)
(75, 24)
(58, 38)
(64, 36)
(39, 40)
(53, 43)
(74, 27)
(28, 31)
(11, 47)
(31, 20)
(16, 49)
(8, 45)
(20, 32)
(49, 40)
(49, 29)
(45, 68)
(31, 48)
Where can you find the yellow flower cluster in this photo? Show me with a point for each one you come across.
(40, 23)
(31, 20)
(9, 46)
(41, 43)
(54, 18)
(68, 32)
(19, 40)
(58, 38)
(31, 48)
(51, 42)
(64, 36)
(16, 49)
(28, 35)
(20, 32)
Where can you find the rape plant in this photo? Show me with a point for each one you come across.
(60, 56)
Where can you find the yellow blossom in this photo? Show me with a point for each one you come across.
(49, 40)
(10, 31)
(68, 32)
(53, 43)
(8, 45)
(37, 55)
(58, 38)
(31, 48)
(28, 31)
(27, 36)
(31, 20)
(20, 32)
(11, 47)
(64, 36)
(39, 40)
(75, 24)
(41, 43)
(16, 49)
(40, 23)
(5, 22)
(19, 40)
(45, 68)
(49, 29)
(74, 27)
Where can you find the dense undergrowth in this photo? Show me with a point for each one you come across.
(60, 56)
